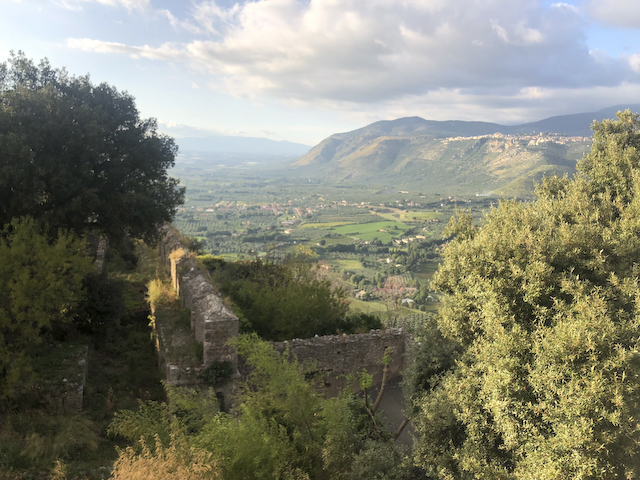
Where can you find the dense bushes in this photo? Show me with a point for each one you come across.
(538, 375)
(285, 430)
(281, 301)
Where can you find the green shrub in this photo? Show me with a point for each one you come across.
(37, 440)
(211, 262)
(283, 301)
(217, 373)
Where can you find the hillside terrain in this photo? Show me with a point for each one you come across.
(457, 156)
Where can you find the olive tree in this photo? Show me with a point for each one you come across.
(543, 303)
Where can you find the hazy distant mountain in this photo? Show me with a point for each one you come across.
(576, 124)
(250, 145)
(414, 150)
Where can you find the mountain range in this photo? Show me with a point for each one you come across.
(456, 156)
(235, 144)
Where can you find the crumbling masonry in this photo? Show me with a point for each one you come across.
(213, 324)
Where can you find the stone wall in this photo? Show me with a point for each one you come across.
(212, 323)
(61, 384)
(336, 356)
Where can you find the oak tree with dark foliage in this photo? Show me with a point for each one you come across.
(77, 156)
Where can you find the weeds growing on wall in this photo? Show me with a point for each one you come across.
(160, 293)
(217, 373)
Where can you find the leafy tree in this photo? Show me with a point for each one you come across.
(541, 303)
(78, 156)
(40, 282)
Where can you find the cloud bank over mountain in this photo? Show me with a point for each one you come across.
(349, 51)
(362, 61)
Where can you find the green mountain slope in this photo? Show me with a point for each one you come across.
(506, 165)
(469, 157)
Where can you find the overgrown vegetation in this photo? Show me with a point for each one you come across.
(288, 299)
(40, 443)
(217, 373)
(285, 430)
(76, 163)
(41, 282)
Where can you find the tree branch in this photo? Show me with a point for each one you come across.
(398, 432)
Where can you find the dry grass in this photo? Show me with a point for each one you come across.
(160, 293)
(172, 463)
(178, 253)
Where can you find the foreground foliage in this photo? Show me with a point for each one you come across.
(281, 429)
(40, 282)
(542, 304)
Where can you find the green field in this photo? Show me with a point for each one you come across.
(351, 265)
(425, 271)
(325, 225)
(360, 306)
(372, 231)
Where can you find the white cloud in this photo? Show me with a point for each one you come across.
(130, 5)
(164, 52)
(213, 17)
(369, 51)
(617, 13)
(520, 35)
(178, 24)
(354, 51)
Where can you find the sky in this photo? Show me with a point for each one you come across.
(301, 70)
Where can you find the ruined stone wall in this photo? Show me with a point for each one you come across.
(61, 385)
(212, 323)
(336, 356)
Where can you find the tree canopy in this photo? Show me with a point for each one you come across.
(77, 156)
(543, 304)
